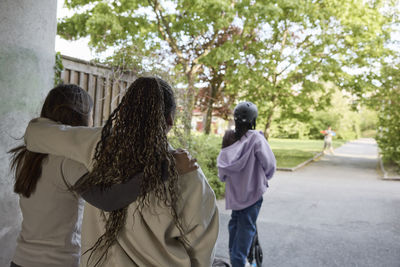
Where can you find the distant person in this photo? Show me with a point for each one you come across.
(245, 164)
(328, 134)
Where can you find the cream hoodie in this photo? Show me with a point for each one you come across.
(149, 238)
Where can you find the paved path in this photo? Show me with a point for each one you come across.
(333, 212)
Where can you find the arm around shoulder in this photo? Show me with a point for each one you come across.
(77, 143)
(117, 196)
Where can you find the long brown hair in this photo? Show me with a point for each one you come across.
(68, 104)
(134, 139)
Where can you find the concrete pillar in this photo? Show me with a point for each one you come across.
(27, 44)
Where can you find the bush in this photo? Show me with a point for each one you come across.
(388, 137)
(205, 148)
(388, 98)
(347, 122)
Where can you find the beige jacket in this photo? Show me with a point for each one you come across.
(77, 143)
(150, 237)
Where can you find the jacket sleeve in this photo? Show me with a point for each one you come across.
(265, 156)
(79, 144)
(202, 218)
(76, 143)
(221, 172)
(116, 197)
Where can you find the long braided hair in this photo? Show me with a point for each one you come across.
(134, 139)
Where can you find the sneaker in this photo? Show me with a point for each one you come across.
(248, 264)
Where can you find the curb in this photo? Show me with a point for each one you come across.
(301, 164)
(385, 175)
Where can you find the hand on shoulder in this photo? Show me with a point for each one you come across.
(184, 161)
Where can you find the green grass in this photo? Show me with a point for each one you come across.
(291, 152)
(369, 134)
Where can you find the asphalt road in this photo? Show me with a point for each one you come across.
(333, 212)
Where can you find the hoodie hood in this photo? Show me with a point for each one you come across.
(245, 167)
(236, 156)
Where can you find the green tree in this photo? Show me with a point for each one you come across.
(278, 54)
(346, 121)
(183, 32)
(341, 116)
(292, 48)
(213, 98)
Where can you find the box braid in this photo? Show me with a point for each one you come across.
(134, 139)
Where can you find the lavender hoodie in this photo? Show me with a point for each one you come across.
(246, 166)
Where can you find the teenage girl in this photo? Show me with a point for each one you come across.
(245, 164)
(172, 223)
(52, 213)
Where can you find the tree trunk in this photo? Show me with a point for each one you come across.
(210, 107)
(188, 108)
(267, 129)
(208, 119)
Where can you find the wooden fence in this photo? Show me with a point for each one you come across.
(104, 84)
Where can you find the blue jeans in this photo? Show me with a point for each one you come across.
(242, 228)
